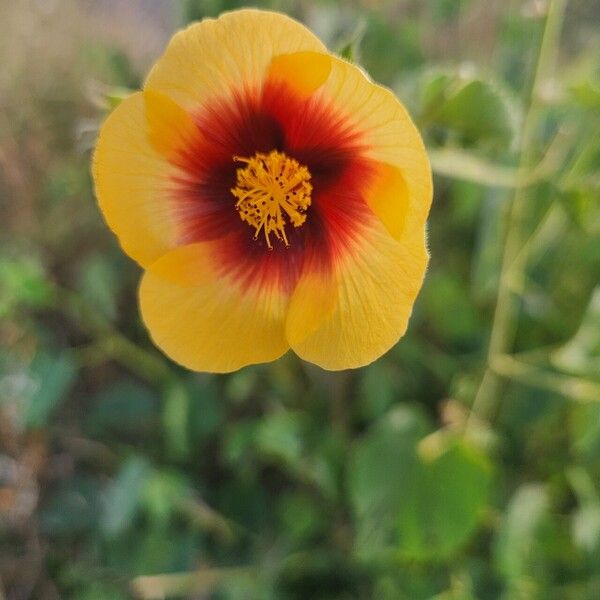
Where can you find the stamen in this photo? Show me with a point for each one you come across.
(270, 187)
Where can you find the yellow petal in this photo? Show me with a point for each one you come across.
(392, 138)
(302, 71)
(132, 183)
(312, 302)
(207, 323)
(388, 198)
(374, 294)
(186, 266)
(171, 128)
(212, 58)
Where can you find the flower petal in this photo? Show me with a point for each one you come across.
(392, 139)
(387, 196)
(304, 72)
(375, 288)
(203, 320)
(186, 266)
(313, 301)
(171, 129)
(214, 57)
(132, 183)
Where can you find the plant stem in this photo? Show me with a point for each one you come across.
(576, 388)
(510, 284)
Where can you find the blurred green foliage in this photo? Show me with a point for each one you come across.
(463, 465)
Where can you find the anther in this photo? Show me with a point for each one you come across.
(272, 190)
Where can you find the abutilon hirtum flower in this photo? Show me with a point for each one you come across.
(275, 197)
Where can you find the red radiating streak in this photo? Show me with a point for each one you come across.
(308, 129)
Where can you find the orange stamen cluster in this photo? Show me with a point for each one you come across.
(270, 187)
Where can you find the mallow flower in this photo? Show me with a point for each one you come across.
(274, 196)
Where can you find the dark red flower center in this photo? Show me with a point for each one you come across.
(272, 191)
(230, 181)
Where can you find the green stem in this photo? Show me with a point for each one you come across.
(576, 388)
(504, 322)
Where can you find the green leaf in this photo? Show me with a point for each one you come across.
(23, 282)
(586, 93)
(301, 516)
(239, 385)
(381, 466)
(444, 503)
(518, 535)
(476, 111)
(162, 494)
(122, 497)
(279, 436)
(580, 204)
(443, 294)
(586, 165)
(101, 591)
(447, 10)
(115, 95)
(238, 441)
(378, 390)
(585, 431)
(480, 113)
(399, 41)
(350, 48)
(409, 506)
(579, 187)
(72, 507)
(98, 284)
(206, 410)
(175, 420)
(124, 407)
(53, 376)
(581, 354)
(585, 524)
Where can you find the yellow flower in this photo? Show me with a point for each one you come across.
(274, 195)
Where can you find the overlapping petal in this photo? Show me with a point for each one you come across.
(133, 181)
(392, 139)
(401, 195)
(212, 58)
(374, 291)
(206, 322)
(304, 72)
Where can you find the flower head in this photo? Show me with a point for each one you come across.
(274, 195)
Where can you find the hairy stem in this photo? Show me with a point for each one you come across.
(504, 324)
